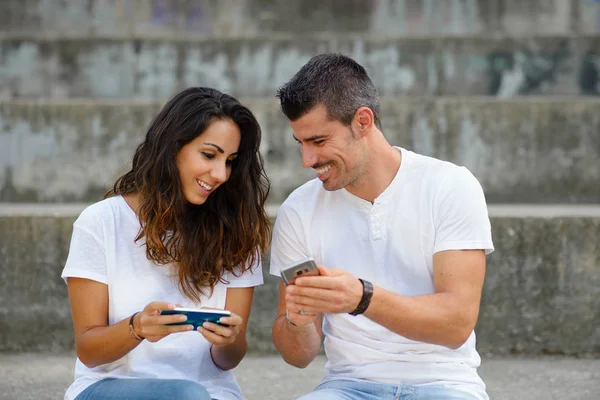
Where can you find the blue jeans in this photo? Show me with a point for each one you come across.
(147, 389)
(345, 389)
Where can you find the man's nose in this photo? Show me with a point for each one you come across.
(309, 157)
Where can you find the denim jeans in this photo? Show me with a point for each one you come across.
(147, 389)
(345, 389)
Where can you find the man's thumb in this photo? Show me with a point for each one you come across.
(324, 271)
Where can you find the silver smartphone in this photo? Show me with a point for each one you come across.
(306, 266)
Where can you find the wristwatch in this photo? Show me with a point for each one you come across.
(365, 299)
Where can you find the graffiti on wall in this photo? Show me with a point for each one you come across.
(589, 74)
(524, 72)
(238, 17)
(529, 72)
(154, 70)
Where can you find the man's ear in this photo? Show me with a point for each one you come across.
(364, 120)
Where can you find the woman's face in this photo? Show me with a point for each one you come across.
(205, 162)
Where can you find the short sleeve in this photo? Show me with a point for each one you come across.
(460, 214)
(87, 257)
(251, 277)
(287, 245)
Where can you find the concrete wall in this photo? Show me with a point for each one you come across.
(248, 17)
(155, 68)
(541, 292)
(539, 151)
(35, 315)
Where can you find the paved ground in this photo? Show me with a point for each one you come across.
(45, 377)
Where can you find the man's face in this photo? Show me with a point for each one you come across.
(337, 155)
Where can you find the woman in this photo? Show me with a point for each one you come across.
(185, 227)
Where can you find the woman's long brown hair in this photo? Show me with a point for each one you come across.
(225, 234)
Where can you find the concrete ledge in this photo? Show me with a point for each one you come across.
(534, 150)
(230, 17)
(155, 68)
(541, 293)
(494, 210)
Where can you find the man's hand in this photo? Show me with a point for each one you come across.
(334, 291)
(301, 320)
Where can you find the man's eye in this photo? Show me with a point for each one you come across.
(319, 142)
(209, 156)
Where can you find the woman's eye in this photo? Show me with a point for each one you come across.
(231, 161)
(209, 156)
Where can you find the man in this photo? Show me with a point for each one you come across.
(413, 229)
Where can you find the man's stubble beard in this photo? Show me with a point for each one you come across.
(358, 170)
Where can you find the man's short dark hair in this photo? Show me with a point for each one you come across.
(338, 82)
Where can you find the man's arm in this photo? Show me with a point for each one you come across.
(299, 339)
(446, 317)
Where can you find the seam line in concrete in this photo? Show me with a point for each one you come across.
(495, 210)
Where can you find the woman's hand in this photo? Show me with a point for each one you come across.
(220, 335)
(152, 326)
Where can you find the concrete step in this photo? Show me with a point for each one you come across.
(540, 295)
(45, 376)
(146, 18)
(534, 150)
(257, 66)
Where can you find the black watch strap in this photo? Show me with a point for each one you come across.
(366, 297)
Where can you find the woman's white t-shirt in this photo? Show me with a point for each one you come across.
(103, 249)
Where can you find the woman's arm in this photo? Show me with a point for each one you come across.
(97, 342)
(229, 344)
